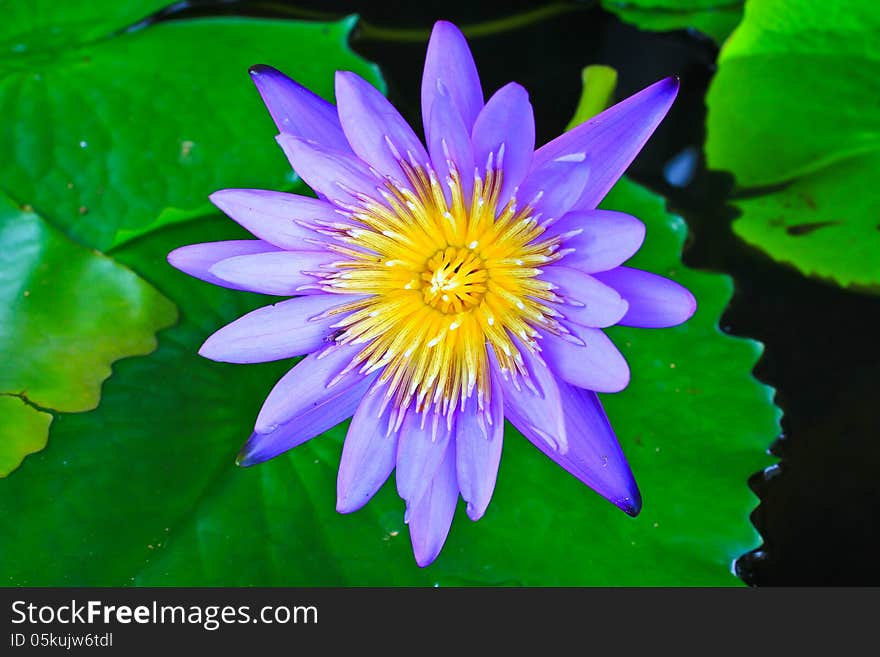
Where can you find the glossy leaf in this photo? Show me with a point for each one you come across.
(716, 18)
(814, 136)
(598, 83)
(148, 482)
(33, 26)
(23, 430)
(132, 129)
(174, 510)
(66, 314)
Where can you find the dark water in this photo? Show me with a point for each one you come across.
(820, 507)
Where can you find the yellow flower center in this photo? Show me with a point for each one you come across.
(444, 281)
(454, 280)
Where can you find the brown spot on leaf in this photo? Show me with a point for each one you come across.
(798, 230)
(809, 200)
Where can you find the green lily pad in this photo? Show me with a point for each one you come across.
(814, 135)
(24, 430)
(121, 131)
(161, 501)
(35, 26)
(66, 314)
(715, 18)
(598, 83)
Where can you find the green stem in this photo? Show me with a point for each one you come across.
(370, 32)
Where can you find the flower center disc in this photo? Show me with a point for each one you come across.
(454, 280)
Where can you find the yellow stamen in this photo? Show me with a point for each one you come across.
(444, 282)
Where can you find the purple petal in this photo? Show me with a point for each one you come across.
(587, 301)
(449, 62)
(594, 455)
(654, 301)
(315, 394)
(595, 365)
(334, 174)
(535, 410)
(280, 272)
(276, 217)
(374, 128)
(303, 404)
(555, 186)
(431, 517)
(613, 138)
(506, 121)
(289, 328)
(478, 451)
(450, 141)
(600, 239)
(368, 454)
(298, 111)
(197, 259)
(419, 453)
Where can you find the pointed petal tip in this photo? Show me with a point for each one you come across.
(629, 499)
(448, 27)
(249, 454)
(475, 513)
(620, 383)
(244, 459)
(173, 258)
(221, 195)
(213, 350)
(224, 200)
(667, 86)
(346, 506)
(258, 70)
(205, 349)
(423, 560)
(690, 307)
(632, 504)
(348, 76)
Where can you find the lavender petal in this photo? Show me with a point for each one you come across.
(449, 62)
(334, 174)
(588, 301)
(281, 272)
(276, 217)
(535, 410)
(654, 301)
(600, 239)
(430, 518)
(594, 454)
(368, 455)
(556, 184)
(197, 259)
(303, 405)
(597, 365)
(297, 111)
(419, 453)
(478, 451)
(450, 140)
(284, 330)
(315, 393)
(507, 120)
(613, 138)
(374, 128)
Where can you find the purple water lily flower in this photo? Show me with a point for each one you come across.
(440, 290)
